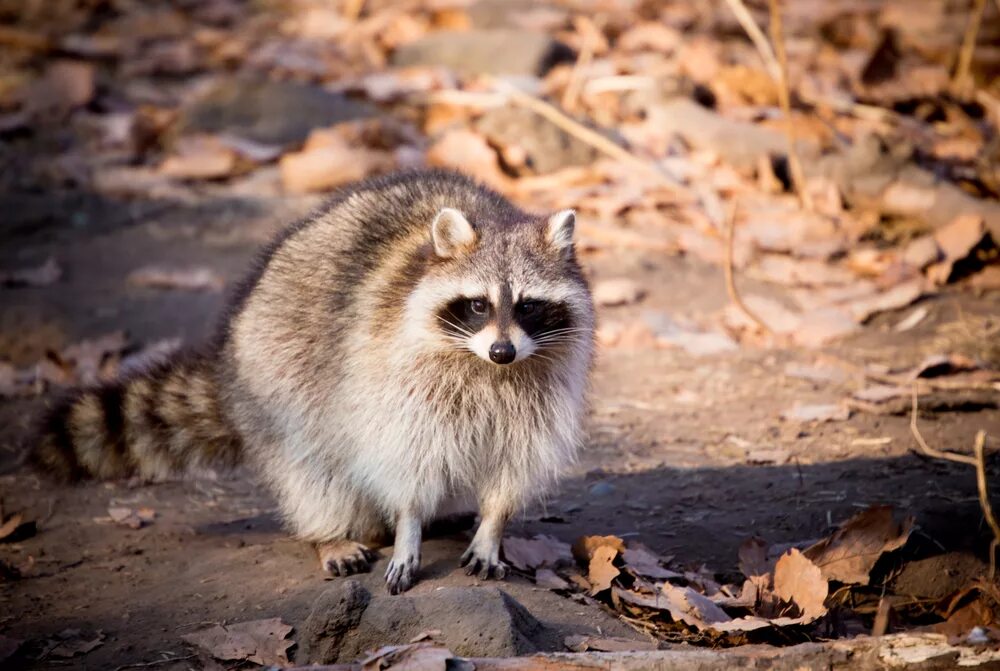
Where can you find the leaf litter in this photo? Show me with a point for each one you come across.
(263, 642)
(786, 592)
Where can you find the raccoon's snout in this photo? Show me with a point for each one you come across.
(502, 352)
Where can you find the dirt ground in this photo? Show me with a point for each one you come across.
(666, 461)
(688, 454)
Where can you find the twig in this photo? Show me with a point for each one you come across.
(927, 449)
(756, 36)
(157, 662)
(979, 462)
(572, 92)
(984, 498)
(784, 97)
(582, 133)
(734, 295)
(968, 44)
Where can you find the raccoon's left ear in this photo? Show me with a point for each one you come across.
(451, 233)
(559, 230)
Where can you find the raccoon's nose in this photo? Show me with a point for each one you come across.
(502, 352)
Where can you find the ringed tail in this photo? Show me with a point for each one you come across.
(154, 424)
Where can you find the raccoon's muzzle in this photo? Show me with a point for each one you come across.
(159, 423)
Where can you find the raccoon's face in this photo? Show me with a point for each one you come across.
(506, 292)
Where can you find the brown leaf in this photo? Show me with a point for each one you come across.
(260, 641)
(642, 561)
(468, 152)
(547, 578)
(899, 296)
(423, 656)
(849, 554)
(800, 581)
(601, 570)
(69, 643)
(585, 546)
(617, 291)
(190, 279)
(688, 606)
(528, 554)
(959, 236)
(200, 157)
(329, 161)
(42, 276)
(11, 525)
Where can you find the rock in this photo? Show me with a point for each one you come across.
(546, 147)
(496, 51)
(617, 291)
(335, 613)
(270, 113)
(473, 621)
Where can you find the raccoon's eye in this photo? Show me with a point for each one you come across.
(478, 306)
(526, 307)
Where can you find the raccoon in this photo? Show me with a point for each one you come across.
(418, 341)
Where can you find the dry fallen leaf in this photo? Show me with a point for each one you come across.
(585, 546)
(263, 642)
(469, 152)
(642, 561)
(422, 656)
(42, 276)
(528, 554)
(688, 606)
(190, 279)
(617, 291)
(200, 157)
(849, 554)
(70, 643)
(547, 578)
(601, 570)
(798, 580)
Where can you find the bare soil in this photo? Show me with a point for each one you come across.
(666, 461)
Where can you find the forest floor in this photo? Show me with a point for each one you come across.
(690, 451)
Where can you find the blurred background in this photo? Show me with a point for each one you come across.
(788, 210)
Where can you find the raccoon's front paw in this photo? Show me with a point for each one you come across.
(402, 572)
(484, 561)
(344, 557)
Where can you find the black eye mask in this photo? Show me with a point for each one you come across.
(542, 317)
(459, 319)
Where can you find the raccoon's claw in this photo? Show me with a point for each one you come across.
(485, 567)
(402, 573)
(343, 558)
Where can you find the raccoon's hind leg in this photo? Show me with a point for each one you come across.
(345, 557)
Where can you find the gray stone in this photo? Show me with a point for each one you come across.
(496, 51)
(274, 113)
(335, 613)
(473, 621)
(548, 147)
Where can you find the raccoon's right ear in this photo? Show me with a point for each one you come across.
(452, 233)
